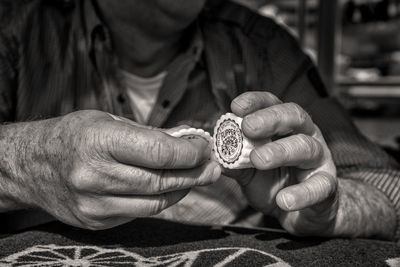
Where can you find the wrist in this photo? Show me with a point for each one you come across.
(363, 211)
(343, 226)
(11, 175)
(20, 168)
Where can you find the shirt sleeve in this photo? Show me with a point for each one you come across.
(8, 61)
(7, 89)
(296, 79)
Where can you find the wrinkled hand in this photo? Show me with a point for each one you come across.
(295, 177)
(95, 172)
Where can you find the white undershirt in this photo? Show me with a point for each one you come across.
(142, 93)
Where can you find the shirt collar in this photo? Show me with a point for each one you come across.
(106, 62)
(95, 26)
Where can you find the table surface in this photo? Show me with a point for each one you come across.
(152, 242)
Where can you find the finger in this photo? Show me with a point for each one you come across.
(250, 102)
(315, 190)
(261, 191)
(119, 179)
(299, 150)
(153, 148)
(128, 206)
(278, 120)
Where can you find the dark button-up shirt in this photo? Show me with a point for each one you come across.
(57, 57)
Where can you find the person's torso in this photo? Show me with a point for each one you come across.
(64, 66)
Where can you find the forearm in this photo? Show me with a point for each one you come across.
(364, 211)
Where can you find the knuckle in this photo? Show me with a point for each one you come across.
(86, 131)
(149, 181)
(299, 112)
(144, 181)
(87, 179)
(321, 187)
(274, 117)
(156, 183)
(81, 181)
(83, 115)
(163, 183)
(91, 113)
(178, 182)
(283, 150)
(159, 205)
(84, 210)
(78, 183)
(112, 138)
(295, 107)
(310, 192)
(87, 210)
(94, 141)
(328, 183)
(276, 114)
(305, 142)
(311, 147)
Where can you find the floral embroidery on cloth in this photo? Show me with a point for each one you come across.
(88, 256)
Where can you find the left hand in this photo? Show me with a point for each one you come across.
(305, 200)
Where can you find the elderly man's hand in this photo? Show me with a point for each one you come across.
(94, 172)
(295, 177)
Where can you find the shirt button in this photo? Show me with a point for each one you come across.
(121, 99)
(165, 103)
(99, 32)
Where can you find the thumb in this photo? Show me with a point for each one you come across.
(319, 191)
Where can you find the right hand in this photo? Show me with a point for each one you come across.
(92, 171)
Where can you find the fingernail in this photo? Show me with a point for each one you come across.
(217, 172)
(289, 200)
(241, 103)
(264, 158)
(252, 122)
(203, 144)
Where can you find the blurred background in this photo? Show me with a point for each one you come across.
(356, 46)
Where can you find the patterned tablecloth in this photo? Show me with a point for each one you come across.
(151, 242)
